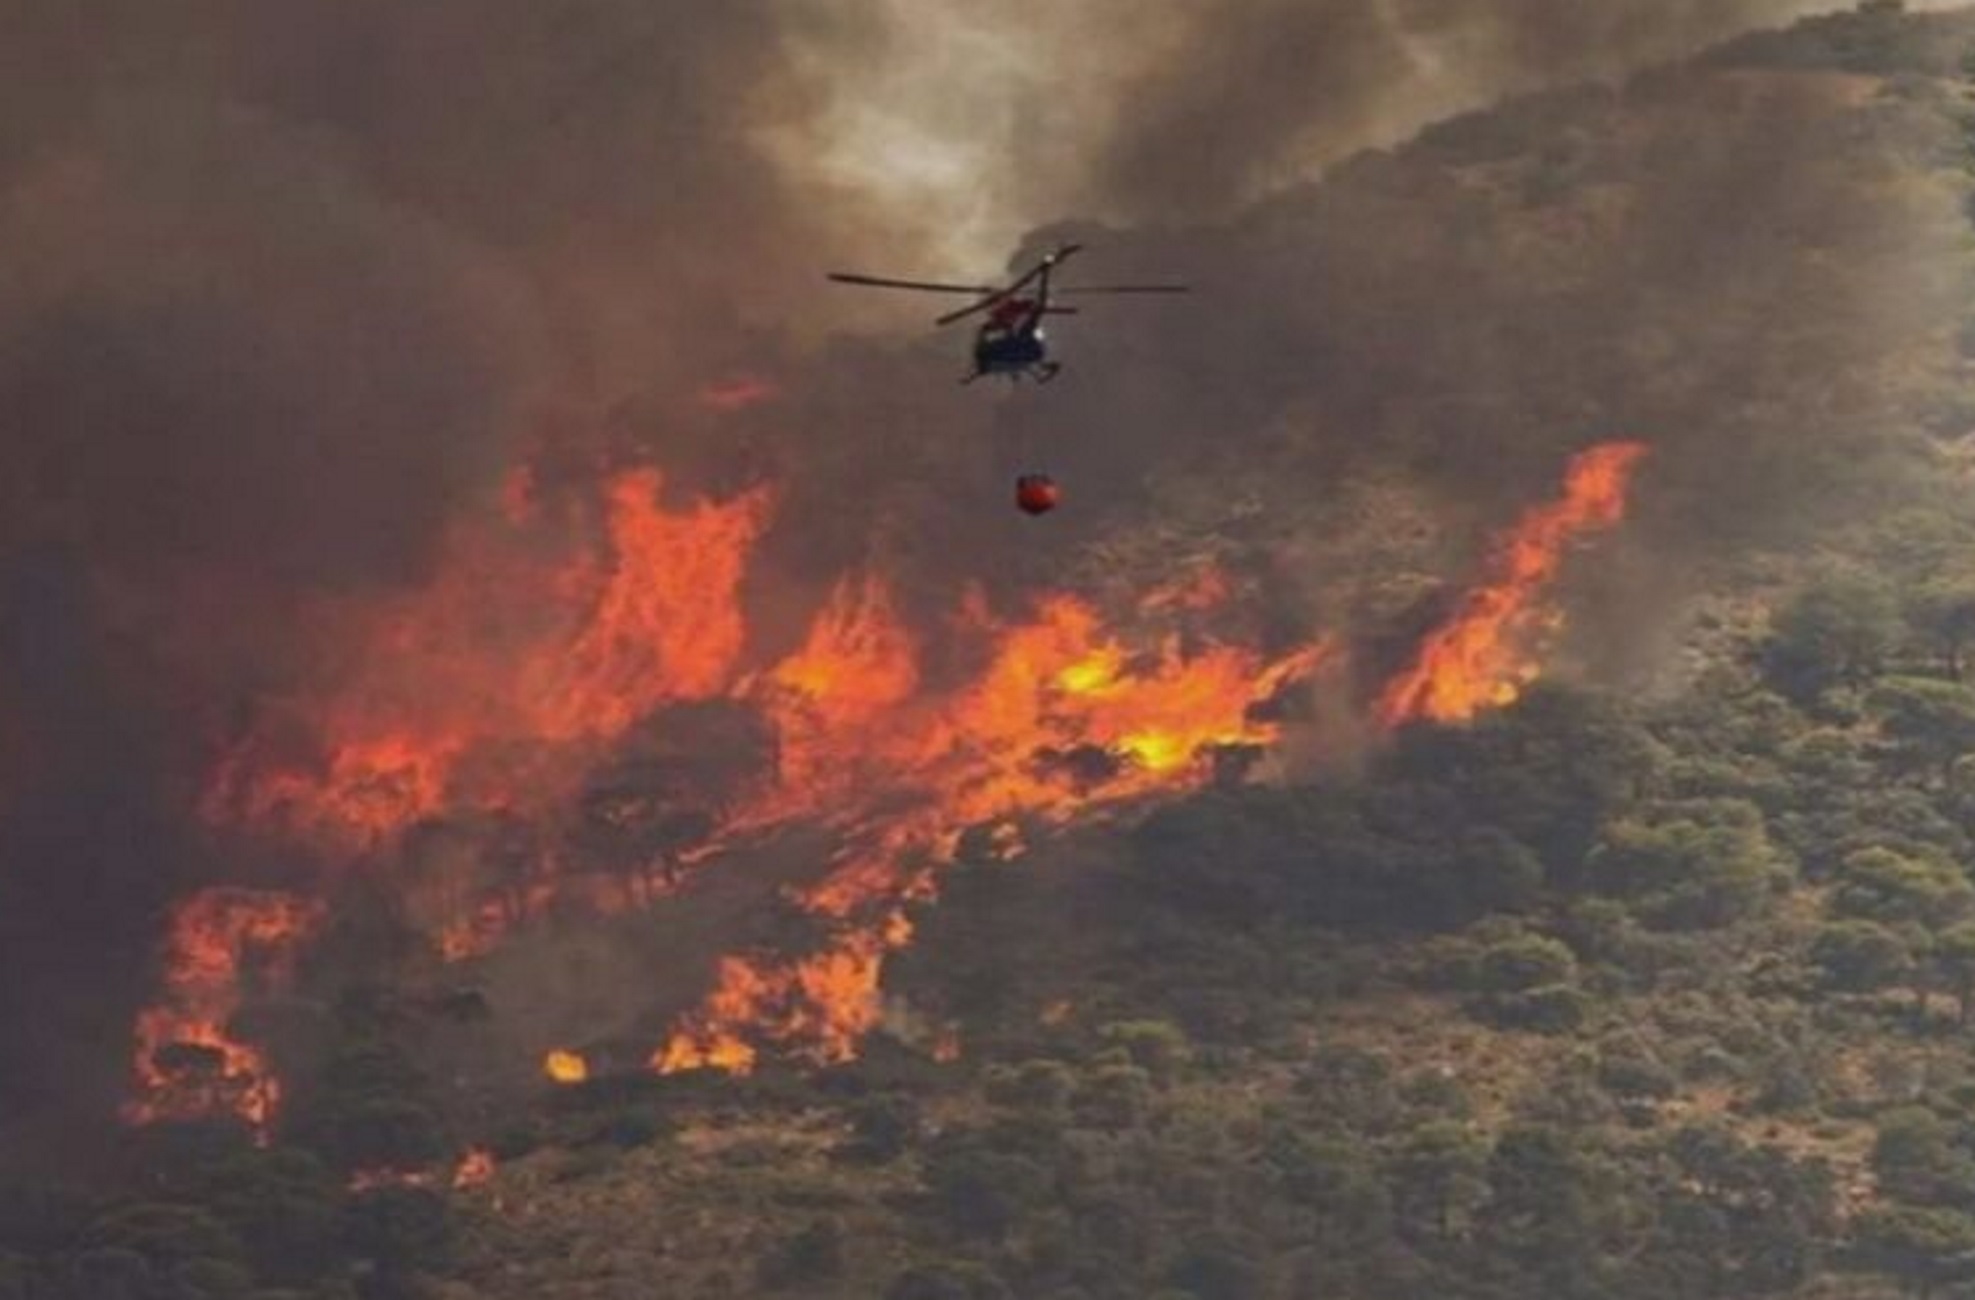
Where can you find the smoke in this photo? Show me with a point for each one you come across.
(285, 285)
(282, 288)
(982, 124)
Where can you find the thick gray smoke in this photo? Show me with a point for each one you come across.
(281, 287)
(284, 283)
(1137, 111)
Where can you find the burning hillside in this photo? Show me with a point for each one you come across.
(503, 695)
(258, 543)
(1494, 644)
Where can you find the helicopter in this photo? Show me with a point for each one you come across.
(1011, 341)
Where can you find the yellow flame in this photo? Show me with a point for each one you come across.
(565, 1066)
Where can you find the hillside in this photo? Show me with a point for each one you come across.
(1650, 974)
(1616, 993)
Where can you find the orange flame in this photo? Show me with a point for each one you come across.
(496, 687)
(1062, 718)
(474, 1168)
(502, 651)
(187, 1065)
(565, 1066)
(1490, 649)
(827, 1001)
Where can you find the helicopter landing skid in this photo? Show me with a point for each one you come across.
(1041, 373)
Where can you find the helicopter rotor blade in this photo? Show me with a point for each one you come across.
(928, 286)
(989, 294)
(973, 307)
(1049, 262)
(1127, 288)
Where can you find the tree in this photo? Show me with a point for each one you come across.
(1524, 961)
(1740, 1219)
(165, 1235)
(979, 1188)
(1216, 1268)
(1917, 1156)
(1339, 1183)
(812, 1255)
(1931, 723)
(1953, 958)
(1114, 1097)
(1040, 1086)
(1838, 630)
(1878, 884)
(1921, 1247)
(367, 1108)
(1860, 956)
(1157, 1046)
(1942, 610)
(401, 1230)
(1698, 864)
(1438, 1177)
(1548, 773)
(283, 1205)
(1540, 1215)
(882, 1128)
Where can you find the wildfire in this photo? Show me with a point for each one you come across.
(566, 1067)
(497, 687)
(502, 652)
(1491, 648)
(828, 1001)
(1063, 718)
(474, 1168)
(187, 1064)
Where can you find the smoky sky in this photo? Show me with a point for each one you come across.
(286, 284)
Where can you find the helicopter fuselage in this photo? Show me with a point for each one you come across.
(1000, 351)
(1012, 342)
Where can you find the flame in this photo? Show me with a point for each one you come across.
(474, 1168)
(495, 687)
(565, 1066)
(827, 1001)
(667, 623)
(187, 1065)
(1485, 654)
(1061, 719)
(501, 649)
(498, 684)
